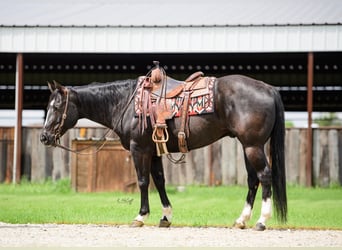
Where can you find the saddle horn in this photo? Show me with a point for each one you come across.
(156, 74)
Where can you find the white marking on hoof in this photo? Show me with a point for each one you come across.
(244, 217)
(266, 211)
(167, 213)
(141, 218)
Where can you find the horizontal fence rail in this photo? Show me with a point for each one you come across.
(220, 163)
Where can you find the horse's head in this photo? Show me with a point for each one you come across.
(61, 115)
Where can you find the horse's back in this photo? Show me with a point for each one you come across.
(245, 92)
(240, 83)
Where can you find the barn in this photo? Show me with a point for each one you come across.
(294, 45)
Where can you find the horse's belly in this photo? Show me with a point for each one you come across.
(202, 131)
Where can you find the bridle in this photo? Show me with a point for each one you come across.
(58, 131)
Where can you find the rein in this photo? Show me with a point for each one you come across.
(79, 152)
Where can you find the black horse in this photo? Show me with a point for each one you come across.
(245, 108)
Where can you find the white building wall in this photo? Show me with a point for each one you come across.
(171, 39)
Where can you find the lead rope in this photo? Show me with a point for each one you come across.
(79, 152)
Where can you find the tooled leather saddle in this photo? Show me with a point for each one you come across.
(160, 98)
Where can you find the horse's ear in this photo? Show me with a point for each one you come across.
(51, 86)
(59, 86)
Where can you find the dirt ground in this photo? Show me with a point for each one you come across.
(53, 235)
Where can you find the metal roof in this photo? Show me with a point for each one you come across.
(169, 12)
(170, 26)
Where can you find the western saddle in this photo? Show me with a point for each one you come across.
(155, 92)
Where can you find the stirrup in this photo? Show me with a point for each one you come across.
(160, 136)
(162, 139)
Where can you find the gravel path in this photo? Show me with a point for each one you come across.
(52, 235)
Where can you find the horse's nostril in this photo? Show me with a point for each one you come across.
(43, 138)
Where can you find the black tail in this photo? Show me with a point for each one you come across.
(278, 161)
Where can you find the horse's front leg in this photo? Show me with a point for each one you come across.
(142, 163)
(157, 173)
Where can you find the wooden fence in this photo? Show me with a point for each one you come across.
(221, 163)
(225, 158)
(6, 154)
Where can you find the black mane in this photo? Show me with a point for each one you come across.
(101, 85)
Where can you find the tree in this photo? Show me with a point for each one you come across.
(328, 119)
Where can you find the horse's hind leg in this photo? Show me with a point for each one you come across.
(157, 173)
(253, 184)
(257, 159)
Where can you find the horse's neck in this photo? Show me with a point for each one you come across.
(103, 103)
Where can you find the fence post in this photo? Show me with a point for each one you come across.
(18, 126)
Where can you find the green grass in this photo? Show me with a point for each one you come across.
(51, 202)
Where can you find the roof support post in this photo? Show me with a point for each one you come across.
(18, 124)
(310, 75)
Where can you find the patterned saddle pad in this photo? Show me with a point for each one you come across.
(201, 100)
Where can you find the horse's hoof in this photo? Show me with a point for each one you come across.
(137, 223)
(239, 225)
(260, 227)
(164, 223)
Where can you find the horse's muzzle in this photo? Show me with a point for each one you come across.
(46, 139)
